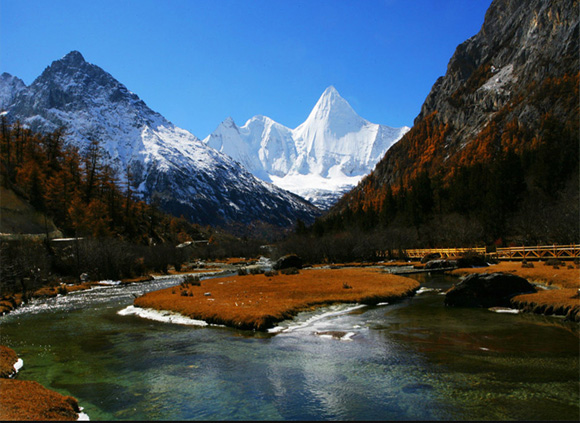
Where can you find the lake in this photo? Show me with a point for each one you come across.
(414, 360)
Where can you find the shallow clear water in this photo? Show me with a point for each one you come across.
(415, 360)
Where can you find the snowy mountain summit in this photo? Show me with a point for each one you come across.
(321, 159)
(169, 165)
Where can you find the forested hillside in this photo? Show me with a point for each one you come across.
(83, 196)
(117, 235)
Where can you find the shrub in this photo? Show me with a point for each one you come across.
(290, 271)
(553, 262)
(256, 271)
(270, 273)
(191, 280)
(242, 271)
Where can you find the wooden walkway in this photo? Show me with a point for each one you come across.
(540, 252)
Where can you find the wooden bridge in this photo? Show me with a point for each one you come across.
(542, 252)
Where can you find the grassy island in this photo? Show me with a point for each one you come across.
(564, 301)
(261, 300)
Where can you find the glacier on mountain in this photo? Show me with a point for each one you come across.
(319, 160)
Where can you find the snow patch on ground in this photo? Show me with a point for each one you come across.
(293, 325)
(504, 310)
(424, 289)
(18, 365)
(161, 316)
(499, 79)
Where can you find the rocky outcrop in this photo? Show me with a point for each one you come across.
(519, 42)
(440, 264)
(288, 261)
(520, 45)
(429, 257)
(487, 290)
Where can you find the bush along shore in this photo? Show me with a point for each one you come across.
(29, 400)
(258, 301)
(558, 283)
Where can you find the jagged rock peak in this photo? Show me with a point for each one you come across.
(70, 63)
(10, 87)
(74, 57)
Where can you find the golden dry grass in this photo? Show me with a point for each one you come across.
(8, 359)
(360, 264)
(259, 301)
(28, 400)
(542, 273)
(555, 301)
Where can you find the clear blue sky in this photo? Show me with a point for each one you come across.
(199, 61)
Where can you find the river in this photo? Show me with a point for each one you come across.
(414, 360)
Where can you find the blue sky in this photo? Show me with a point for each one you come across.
(199, 61)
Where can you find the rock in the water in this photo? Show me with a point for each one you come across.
(487, 290)
(290, 260)
(440, 264)
(429, 257)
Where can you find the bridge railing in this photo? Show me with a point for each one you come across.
(538, 252)
(443, 252)
(505, 253)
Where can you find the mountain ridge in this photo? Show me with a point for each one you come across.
(168, 165)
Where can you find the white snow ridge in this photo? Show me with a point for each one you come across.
(321, 159)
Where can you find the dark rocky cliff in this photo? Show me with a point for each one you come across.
(521, 42)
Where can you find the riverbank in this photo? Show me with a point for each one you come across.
(29, 400)
(562, 300)
(12, 301)
(259, 301)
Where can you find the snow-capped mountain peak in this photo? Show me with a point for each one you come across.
(334, 114)
(320, 159)
(168, 164)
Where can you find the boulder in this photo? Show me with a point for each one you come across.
(487, 290)
(471, 261)
(430, 257)
(440, 264)
(290, 260)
